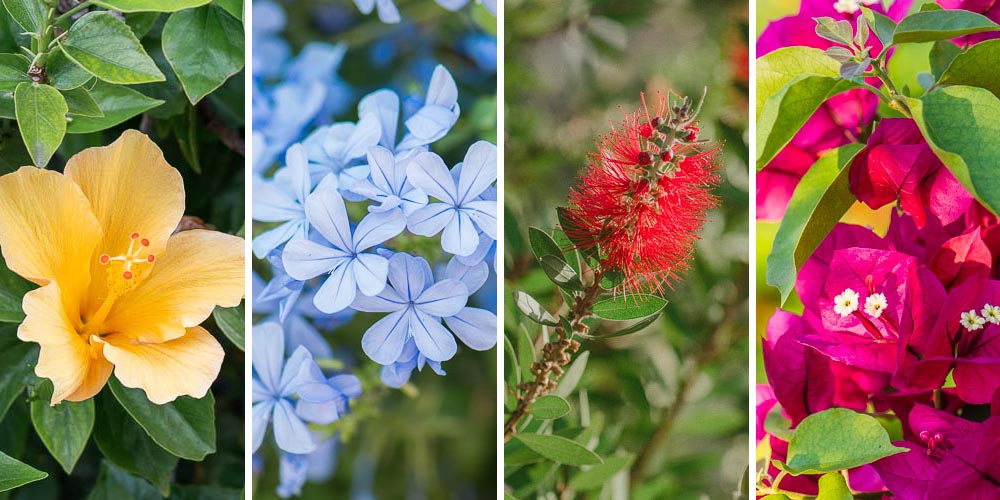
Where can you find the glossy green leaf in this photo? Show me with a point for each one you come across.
(549, 407)
(114, 483)
(837, 439)
(776, 69)
(934, 25)
(819, 201)
(572, 375)
(126, 445)
(65, 74)
(231, 321)
(595, 477)
(81, 103)
(204, 47)
(13, 71)
(833, 486)
(64, 428)
(629, 306)
(14, 473)
(118, 103)
(959, 123)
(233, 7)
(978, 66)
(185, 427)
(560, 272)
(621, 332)
(18, 361)
(559, 449)
(149, 5)
(12, 287)
(105, 46)
(41, 117)
(542, 244)
(532, 309)
(29, 14)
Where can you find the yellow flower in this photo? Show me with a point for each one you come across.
(117, 290)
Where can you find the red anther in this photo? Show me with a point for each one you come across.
(150, 258)
(925, 436)
(127, 275)
(105, 258)
(644, 158)
(134, 235)
(144, 242)
(655, 122)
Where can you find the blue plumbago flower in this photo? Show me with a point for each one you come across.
(461, 215)
(387, 11)
(293, 469)
(334, 147)
(285, 112)
(275, 384)
(350, 269)
(282, 199)
(324, 400)
(269, 50)
(300, 315)
(319, 62)
(438, 113)
(388, 185)
(397, 374)
(282, 289)
(475, 327)
(491, 5)
(416, 305)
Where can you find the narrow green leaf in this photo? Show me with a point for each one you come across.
(628, 330)
(560, 272)
(532, 309)
(931, 26)
(881, 24)
(979, 66)
(149, 5)
(125, 444)
(105, 46)
(819, 201)
(959, 123)
(118, 103)
(512, 374)
(542, 244)
(833, 486)
(559, 449)
(14, 473)
(595, 477)
(549, 407)
(525, 353)
(629, 307)
(185, 427)
(13, 70)
(18, 361)
(41, 117)
(81, 103)
(114, 483)
(64, 428)
(204, 47)
(572, 376)
(231, 321)
(776, 69)
(29, 14)
(837, 439)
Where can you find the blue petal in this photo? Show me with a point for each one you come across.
(260, 417)
(442, 91)
(291, 374)
(434, 340)
(444, 298)
(304, 259)
(383, 342)
(290, 433)
(365, 6)
(292, 469)
(300, 332)
(267, 241)
(476, 328)
(322, 413)
(317, 61)
(377, 228)
(348, 385)
(484, 213)
(479, 171)
(338, 291)
(409, 275)
(274, 202)
(428, 172)
(452, 5)
(370, 273)
(384, 104)
(327, 213)
(460, 236)
(383, 169)
(298, 171)
(387, 12)
(398, 374)
(431, 219)
(268, 355)
(386, 301)
(473, 277)
(429, 124)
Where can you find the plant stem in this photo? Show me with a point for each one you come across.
(71, 12)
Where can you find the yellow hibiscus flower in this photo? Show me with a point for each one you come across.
(118, 290)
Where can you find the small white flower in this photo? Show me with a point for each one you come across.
(991, 313)
(875, 304)
(845, 303)
(852, 6)
(971, 321)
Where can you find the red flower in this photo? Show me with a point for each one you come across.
(643, 198)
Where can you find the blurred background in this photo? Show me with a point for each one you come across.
(674, 394)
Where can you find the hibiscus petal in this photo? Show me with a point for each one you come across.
(383, 342)
(434, 340)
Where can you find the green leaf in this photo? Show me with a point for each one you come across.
(64, 428)
(81, 103)
(18, 361)
(819, 201)
(835, 31)
(12, 289)
(542, 244)
(65, 74)
(628, 330)
(41, 117)
(13, 70)
(611, 278)
(549, 407)
(629, 307)
(114, 483)
(837, 439)
(14, 473)
(29, 14)
(833, 486)
(931, 26)
(512, 374)
(560, 272)
(786, 111)
(572, 376)
(559, 449)
(105, 46)
(959, 123)
(532, 309)
(595, 477)
(118, 104)
(149, 5)
(140, 23)
(233, 7)
(525, 354)
(776, 69)
(881, 24)
(185, 427)
(979, 66)
(205, 492)
(126, 445)
(205, 48)
(231, 322)
(941, 56)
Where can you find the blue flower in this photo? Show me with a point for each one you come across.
(324, 400)
(388, 185)
(293, 471)
(275, 384)
(292, 107)
(396, 374)
(387, 11)
(416, 305)
(477, 328)
(491, 5)
(437, 115)
(333, 147)
(282, 289)
(350, 269)
(460, 215)
(282, 199)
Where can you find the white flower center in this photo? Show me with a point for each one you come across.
(875, 304)
(845, 303)
(971, 321)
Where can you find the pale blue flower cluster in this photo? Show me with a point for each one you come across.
(333, 202)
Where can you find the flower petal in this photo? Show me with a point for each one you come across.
(477, 328)
(434, 340)
(431, 219)
(268, 354)
(185, 366)
(479, 170)
(370, 273)
(444, 298)
(260, 417)
(290, 432)
(383, 342)
(384, 104)
(338, 291)
(328, 215)
(305, 259)
(460, 236)
(199, 271)
(428, 172)
(409, 275)
(264, 242)
(376, 228)
(484, 213)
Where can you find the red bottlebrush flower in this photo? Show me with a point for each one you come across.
(644, 196)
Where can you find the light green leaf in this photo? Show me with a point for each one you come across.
(837, 31)
(572, 376)
(881, 24)
(819, 201)
(81, 103)
(837, 439)
(41, 117)
(114, 483)
(105, 46)
(29, 14)
(204, 47)
(13, 71)
(185, 427)
(232, 323)
(979, 66)
(595, 477)
(560, 272)
(559, 449)
(532, 309)
(14, 473)
(118, 104)
(776, 69)
(125, 444)
(64, 428)
(149, 5)
(65, 74)
(629, 307)
(549, 407)
(960, 124)
(931, 26)
(233, 7)
(833, 486)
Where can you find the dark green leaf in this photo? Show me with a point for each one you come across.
(611, 279)
(833, 486)
(105, 46)
(979, 66)
(149, 5)
(852, 70)
(560, 272)
(18, 361)
(512, 374)
(118, 104)
(114, 483)
(12, 286)
(185, 427)
(818, 203)
(837, 439)
(65, 74)
(233, 7)
(81, 103)
(542, 244)
(140, 23)
(559, 449)
(41, 117)
(628, 330)
(14, 473)
(205, 48)
(595, 477)
(931, 26)
(231, 322)
(941, 56)
(628, 307)
(205, 492)
(549, 407)
(13, 70)
(13, 155)
(882, 25)
(532, 309)
(29, 14)
(64, 428)
(126, 445)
